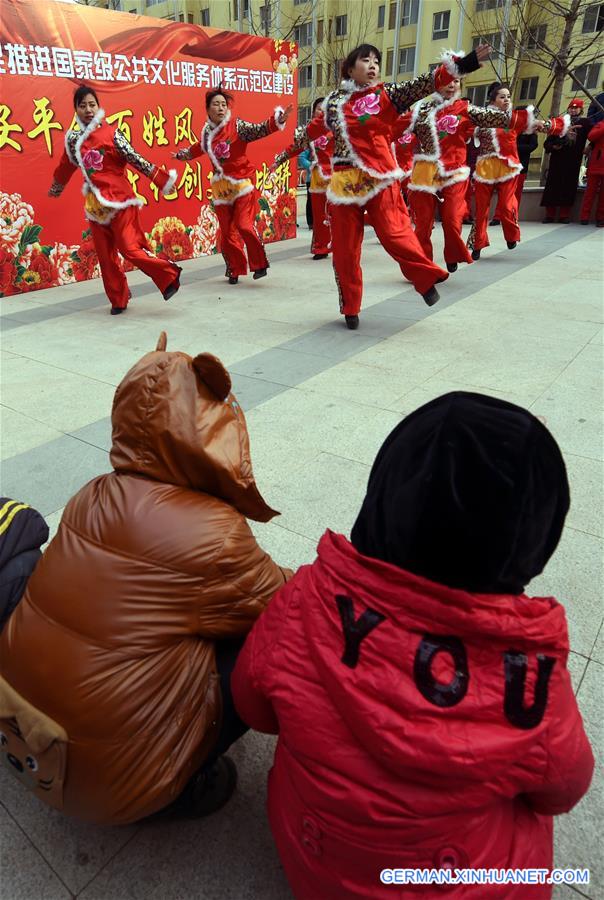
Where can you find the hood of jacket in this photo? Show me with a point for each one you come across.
(385, 697)
(175, 420)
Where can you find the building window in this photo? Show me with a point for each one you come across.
(409, 12)
(319, 74)
(536, 36)
(265, 18)
(341, 26)
(205, 17)
(320, 31)
(493, 39)
(477, 94)
(589, 76)
(406, 59)
(482, 5)
(381, 16)
(392, 16)
(304, 76)
(181, 17)
(245, 9)
(593, 20)
(440, 25)
(337, 71)
(190, 18)
(389, 58)
(299, 2)
(303, 34)
(303, 115)
(528, 88)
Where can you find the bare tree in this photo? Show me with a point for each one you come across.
(543, 32)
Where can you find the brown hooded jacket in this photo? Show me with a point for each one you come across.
(113, 642)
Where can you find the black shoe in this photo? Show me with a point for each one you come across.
(475, 254)
(320, 255)
(451, 267)
(564, 221)
(468, 221)
(584, 221)
(600, 224)
(117, 310)
(174, 287)
(260, 273)
(233, 279)
(431, 297)
(547, 221)
(352, 322)
(495, 222)
(511, 244)
(212, 789)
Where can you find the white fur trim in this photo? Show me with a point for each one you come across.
(356, 160)
(447, 58)
(566, 120)
(530, 120)
(246, 190)
(338, 200)
(170, 182)
(210, 130)
(277, 112)
(88, 185)
(452, 176)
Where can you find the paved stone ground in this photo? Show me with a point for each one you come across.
(524, 325)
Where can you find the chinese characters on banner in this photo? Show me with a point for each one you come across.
(151, 78)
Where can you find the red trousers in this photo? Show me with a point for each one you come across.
(452, 210)
(240, 217)
(321, 232)
(124, 233)
(390, 219)
(550, 212)
(595, 188)
(507, 211)
(519, 181)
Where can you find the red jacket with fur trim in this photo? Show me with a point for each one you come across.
(596, 158)
(443, 128)
(402, 740)
(498, 159)
(101, 152)
(226, 145)
(362, 119)
(404, 145)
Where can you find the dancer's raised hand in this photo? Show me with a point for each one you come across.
(483, 52)
(285, 114)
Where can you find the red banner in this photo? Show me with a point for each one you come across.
(151, 77)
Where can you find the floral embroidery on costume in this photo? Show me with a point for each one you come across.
(366, 106)
(447, 124)
(222, 150)
(93, 161)
(405, 138)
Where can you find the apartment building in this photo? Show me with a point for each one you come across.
(409, 33)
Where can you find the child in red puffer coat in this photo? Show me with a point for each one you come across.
(425, 714)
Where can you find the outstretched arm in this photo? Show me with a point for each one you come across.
(61, 175)
(191, 152)
(164, 180)
(303, 137)
(251, 131)
(404, 93)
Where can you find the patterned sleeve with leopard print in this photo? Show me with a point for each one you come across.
(488, 118)
(252, 131)
(127, 151)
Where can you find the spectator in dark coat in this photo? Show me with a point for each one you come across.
(22, 532)
(594, 112)
(565, 159)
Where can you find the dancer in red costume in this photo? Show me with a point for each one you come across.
(361, 115)
(595, 177)
(225, 141)
(498, 166)
(101, 152)
(443, 124)
(404, 145)
(320, 172)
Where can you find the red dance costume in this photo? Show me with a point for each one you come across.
(365, 177)
(498, 166)
(595, 176)
(404, 145)
(233, 186)
(102, 152)
(443, 128)
(320, 173)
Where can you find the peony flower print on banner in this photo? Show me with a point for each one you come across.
(28, 264)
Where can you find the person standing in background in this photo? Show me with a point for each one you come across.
(565, 155)
(304, 163)
(595, 177)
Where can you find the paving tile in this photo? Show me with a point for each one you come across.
(25, 874)
(576, 665)
(597, 652)
(586, 493)
(47, 476)
(97, 433)
(231, 854)
(251, 392)
(574, 576)
(60, 399)
(19, 433)
(53, 520)
(578, 834)
(286, 367)
(76, 851)
(285, 547)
